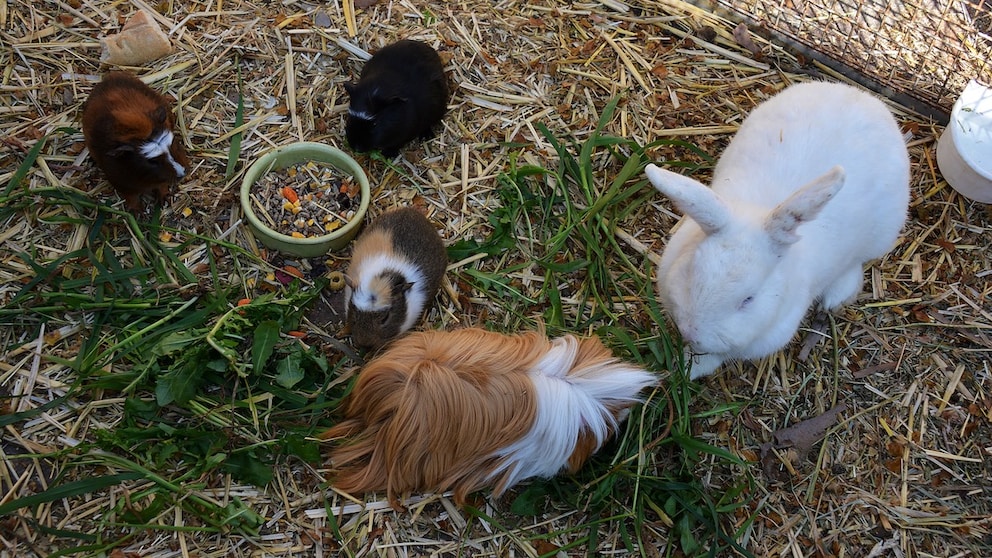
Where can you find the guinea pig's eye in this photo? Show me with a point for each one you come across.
(385, 318)
(159, 115)
(745, 302)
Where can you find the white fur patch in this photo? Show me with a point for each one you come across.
(361, 114)
(566, 405)
(158, 146)
(371, 267)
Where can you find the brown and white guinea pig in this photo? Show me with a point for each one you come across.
(129, 131)
(469, 409)
(395, 271)
(401, 95)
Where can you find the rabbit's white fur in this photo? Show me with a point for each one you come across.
(814, 184)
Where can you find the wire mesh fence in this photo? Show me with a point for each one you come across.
(921, 50)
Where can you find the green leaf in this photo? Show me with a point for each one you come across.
(175, 341)
(531, 501)
(178, 385)
(140, 408)
(263, 343)
(318, 359)
(238, 515)
(247, 467)
(686, 540)
(671, 506)
(303, 448)
(288, 370)
(554, 314)
(216, 365)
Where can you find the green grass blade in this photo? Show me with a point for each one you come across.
(29, 160)
(14, 418)
(68, 490)
(43, 273)
(234, 153)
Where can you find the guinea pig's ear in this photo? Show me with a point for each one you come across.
(159, 116)
(386, 98)
(349, 87)
(399, 285)
(349, 282)
(122, 149)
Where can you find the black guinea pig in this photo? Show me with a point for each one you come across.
(401, 94)
(129, 130)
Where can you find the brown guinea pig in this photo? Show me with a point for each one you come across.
(128, 128)
(467, 409)
(395, 271)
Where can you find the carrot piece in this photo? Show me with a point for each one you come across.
(293, 271)
(296, 334)
(289, 194)
(244, 301)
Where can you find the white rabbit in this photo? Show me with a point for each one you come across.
(814, 184)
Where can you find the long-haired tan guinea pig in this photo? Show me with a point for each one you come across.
(395, 272)
(129, 131)
(467, 409)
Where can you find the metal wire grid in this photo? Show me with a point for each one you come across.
(925, 50)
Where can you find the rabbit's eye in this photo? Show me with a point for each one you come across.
(745, 302)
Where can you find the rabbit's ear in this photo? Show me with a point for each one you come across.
(692, 198)
(802, 206)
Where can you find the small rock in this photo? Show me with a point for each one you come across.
(321, 19)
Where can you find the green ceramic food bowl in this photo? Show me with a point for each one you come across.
(293, 154)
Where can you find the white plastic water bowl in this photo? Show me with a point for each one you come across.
(964, 150)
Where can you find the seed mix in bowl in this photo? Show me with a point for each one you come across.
(306, 200)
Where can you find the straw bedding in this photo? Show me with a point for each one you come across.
(907, 469)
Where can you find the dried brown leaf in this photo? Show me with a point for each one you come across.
(743, 38)
(800, 438)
